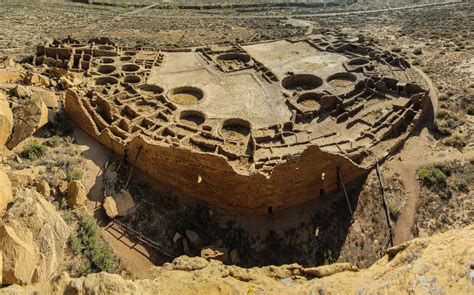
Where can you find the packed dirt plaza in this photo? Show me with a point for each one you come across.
(250, 147)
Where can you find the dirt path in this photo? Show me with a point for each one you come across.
(135, 258)
(431, 87)
(411, 162)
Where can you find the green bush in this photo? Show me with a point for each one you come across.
(461, 185)
(470, 111)
(33, 150)
(435, 175)
(328, 257)
(416, 62)
(442, 127)
(88, 243)
(54, 141)
(418, 51)
(443, 96)
(396, 49)
(455, 141)
(393, 210)
(74, 174)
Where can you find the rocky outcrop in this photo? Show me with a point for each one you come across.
(32, 237)
(6, 195)
(76, 194)
(48, 97)
(124, 202)
(6, 120)
(24, 177)
(436, 265)
(28, 118)
(328, 270)
(110, 207)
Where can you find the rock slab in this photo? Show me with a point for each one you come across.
(33, 236)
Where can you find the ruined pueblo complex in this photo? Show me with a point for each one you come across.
(251, 127)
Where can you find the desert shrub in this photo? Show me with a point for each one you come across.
(442, 127)
(435, 175)
(74, 174)
(87, 243)
(64, 124)
(54, 141)
(455, 141)
(416, 62)
(461, 185)
(328, 257)
(446, 122)
(443, 96)
(442, 114)
(396, 49)
(393, 210)
(470, 111)
(33, 150)
(418, 51)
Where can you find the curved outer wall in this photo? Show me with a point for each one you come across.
(210, 178)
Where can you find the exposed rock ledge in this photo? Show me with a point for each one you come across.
(440, 264)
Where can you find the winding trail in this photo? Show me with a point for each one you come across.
(409, 177)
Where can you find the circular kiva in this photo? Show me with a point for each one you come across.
(126, 58)
(150, 89)
(235, 129)
(106, 69)
(342, 80)
(191, 117)
(301, 81)
(130, 68)
(132, 79)
(107, 60)
(102, 81)
(234, 57)
(186, 95)
(358, 62)
(310, 100)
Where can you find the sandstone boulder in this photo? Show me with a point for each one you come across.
(125, 203)
(220, 254)
(76, 194)
(32, 237)
(6, 195)
(9, 62)
(327, 270)
(21, 91)
(441, 264)
(10, 75)
(6, 120)
(110, 207)
(189, 263)
(37, 79)
(62, 187)
(48, 97)
(24, 177)
(28, 118)
(43, 188)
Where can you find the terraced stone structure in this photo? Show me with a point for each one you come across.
(255, 127)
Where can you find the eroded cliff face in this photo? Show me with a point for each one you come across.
(441, 264)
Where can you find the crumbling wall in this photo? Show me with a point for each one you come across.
(210, 178)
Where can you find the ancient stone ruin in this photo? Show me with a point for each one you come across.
(252, 127)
